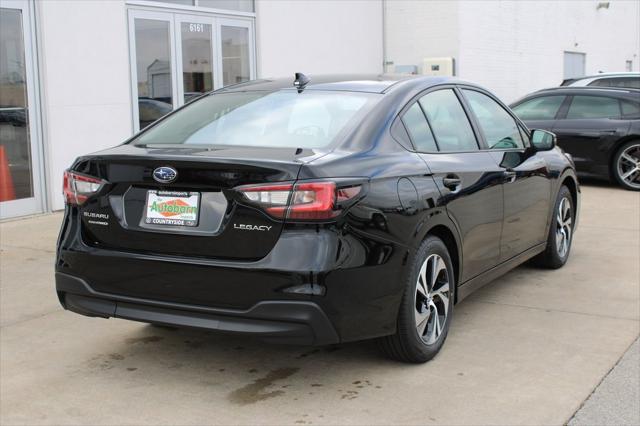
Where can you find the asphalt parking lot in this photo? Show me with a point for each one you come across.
(528, 349)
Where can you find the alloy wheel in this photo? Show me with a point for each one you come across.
(628, 166)
(564, 219)
(433, 291)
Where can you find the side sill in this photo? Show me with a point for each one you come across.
(486, 277)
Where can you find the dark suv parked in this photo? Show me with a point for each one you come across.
(599, 127)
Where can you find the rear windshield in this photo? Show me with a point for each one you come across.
(287, 119)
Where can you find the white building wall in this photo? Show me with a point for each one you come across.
(514, 47)
(319, 37)
(415, 30)
(85, 71)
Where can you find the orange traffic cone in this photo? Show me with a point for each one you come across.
(7, 192)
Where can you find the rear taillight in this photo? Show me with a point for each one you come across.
(78, 188)
(300, 201)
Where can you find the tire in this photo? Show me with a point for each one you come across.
(627, 160)
(418, 343)
(560, 235)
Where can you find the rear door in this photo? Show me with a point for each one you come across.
(527, 180)
(589, 128)
(468, 179)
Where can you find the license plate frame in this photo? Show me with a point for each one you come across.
(172, 208)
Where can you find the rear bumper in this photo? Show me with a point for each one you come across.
(292, 322)
(335, 286)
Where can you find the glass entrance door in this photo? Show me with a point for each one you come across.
(20, 176)
(195, 50)
(236, 45)
(152, 66)
(177, 57)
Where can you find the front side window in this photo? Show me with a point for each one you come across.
(593, 107)
(542, 108)
(499, 128)
(286, 119)
(448, 121)
(418, 128)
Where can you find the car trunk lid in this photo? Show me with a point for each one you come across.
(121, 216)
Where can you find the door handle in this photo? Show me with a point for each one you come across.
(452, 182)
(509, 176)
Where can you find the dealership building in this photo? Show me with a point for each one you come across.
(77, 76)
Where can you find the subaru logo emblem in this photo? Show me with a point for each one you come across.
(165, 174)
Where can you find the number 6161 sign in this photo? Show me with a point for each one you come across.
(196, 28)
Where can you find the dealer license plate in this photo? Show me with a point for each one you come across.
(172, 208)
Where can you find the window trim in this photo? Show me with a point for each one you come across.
(425, 92)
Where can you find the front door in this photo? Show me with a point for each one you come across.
(176, 57)
(527, 187)
(20, 167)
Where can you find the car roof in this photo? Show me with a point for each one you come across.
(590, 89)
(371, 83)
(610, 74)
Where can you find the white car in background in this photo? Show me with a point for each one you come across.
(628, 80)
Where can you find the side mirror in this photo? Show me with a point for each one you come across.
(543, 140)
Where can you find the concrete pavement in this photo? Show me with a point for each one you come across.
(616, 401)
(528, 349)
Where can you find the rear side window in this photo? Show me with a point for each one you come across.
(542, 108)
(630, 109)
(416, 124)
(628, 82)
(593, 107)
(449, 122)
(499, 128)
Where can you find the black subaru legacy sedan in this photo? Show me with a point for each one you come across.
(316, 211)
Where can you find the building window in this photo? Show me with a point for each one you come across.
(153, 70)
(237, 5)
(235, 54)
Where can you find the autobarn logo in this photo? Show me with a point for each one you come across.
(173, 208)
(246, 227)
